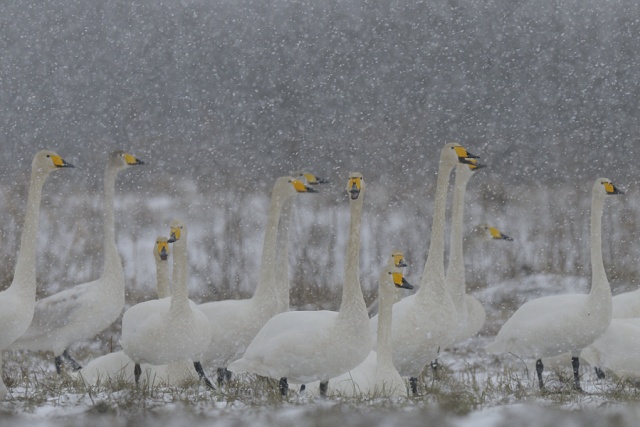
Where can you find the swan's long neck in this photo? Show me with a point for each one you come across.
(162, 278)
(281, 273)
(265, 292)
(112, 264)
(600, 290)
(433, 274)
(455, 280)
(24, 279)
(179, 292)
(385, 313)
(352, 298)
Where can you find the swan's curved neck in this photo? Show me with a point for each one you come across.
(385, 314)
(265, 292)
(455, 270)
(179, 292)
(433, 273)
(24, 279)
(281, 273)
(352, 298)
(112, 263)
(600, 289)
(162, 279)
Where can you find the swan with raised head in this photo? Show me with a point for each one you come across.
(82, 311)
(234, 323)
(557, 324)
(430, 310)
(118, 366)
(305, 346)
(171, 329)
(17, 302)
(376, 375)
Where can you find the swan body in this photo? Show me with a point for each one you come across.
(376, 376)
(626, 305)
(234, 323)
(17, 302)
(305, 346)
(171, 329)
(430, 311)
(557, 324)
(117, 366)
(84, 310)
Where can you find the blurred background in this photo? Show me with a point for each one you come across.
(220, 97)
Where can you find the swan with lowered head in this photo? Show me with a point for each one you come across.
(119, 366)
(234, 323)
(430, 310)
(17, 302)
(550, 326)
(305, 346)
(171, 329)
(376, 375)
(82, 311)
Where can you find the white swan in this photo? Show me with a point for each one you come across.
(171, 329)
(376, 375)
(18, 300)
(466, 305)
(557, 324)
(305, 346)
(430, 310)
(234, 323)
(117, 366)
(82, 311)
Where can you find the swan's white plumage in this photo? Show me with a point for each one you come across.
(234, 323)
(376, 375)
(17, 302)
(558, 324)
(117, 366)
(171, 329)
(430, 310)
(304, 346)
(84, 310)
(626, 305)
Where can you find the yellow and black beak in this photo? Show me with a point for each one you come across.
(498, 235)
(398, 259)
(463, 155)
(473, 164)
(313, 179)
(301, 187)
(354, 186)
(610, 188)
(163, 250)
(132, 160)
(400, 282)
(59, 162)
(175, 235)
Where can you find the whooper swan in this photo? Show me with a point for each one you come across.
(234, 323)
(18, 300)
(305, 346)
(171, 329)
(430, 310)
(550, 326)
(81, 312)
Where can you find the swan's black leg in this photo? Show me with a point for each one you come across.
(137, 371)
(599, 373)
(58, 361)
(75, 365)
(575, 364)
(324, 385)
(283, 385)
(223, 375)
(413, 381)
(539, 368)
(203, 377)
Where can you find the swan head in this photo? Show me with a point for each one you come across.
(299, 186)
(161, 248)
(397, 259)
(121, 159)
(456, 153)
(607, 187)
(48, 161)
(178, 230)
(491, 233)
(398, 279)
(310, 178)
(355, 185)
